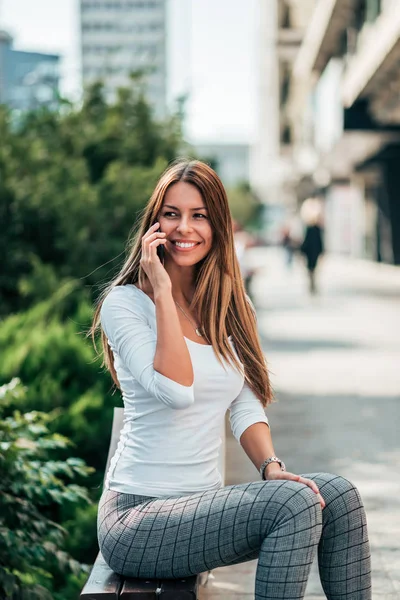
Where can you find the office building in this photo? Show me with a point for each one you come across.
(280, 29)
(343, 106)
(28, 80)
(123, 36)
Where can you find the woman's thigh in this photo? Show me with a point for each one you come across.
(180, 536)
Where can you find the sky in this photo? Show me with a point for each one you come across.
(211, 53)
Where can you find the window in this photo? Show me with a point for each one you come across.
(372, 10)
(119, 5)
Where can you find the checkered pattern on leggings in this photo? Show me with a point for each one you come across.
(278, 522)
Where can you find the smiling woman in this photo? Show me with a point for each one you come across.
(186, 202)
(163, 512)
(200, 266)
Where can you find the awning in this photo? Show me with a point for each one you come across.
(322, 37)
(352, 149)
(373, 72)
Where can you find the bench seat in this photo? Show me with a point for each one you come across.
(103, 583)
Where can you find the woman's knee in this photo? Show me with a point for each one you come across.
(340, 494)
(303, 499)
(335, 485)
(295, 501)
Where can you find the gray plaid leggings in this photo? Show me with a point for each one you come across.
(278, 522)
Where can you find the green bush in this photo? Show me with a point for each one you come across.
(46, 348)
(32, 483)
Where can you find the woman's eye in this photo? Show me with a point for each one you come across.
(167, 214)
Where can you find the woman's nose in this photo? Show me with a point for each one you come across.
(184, 225)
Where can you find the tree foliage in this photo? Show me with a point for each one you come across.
(245, 206)
(31, 484)
(46, 348)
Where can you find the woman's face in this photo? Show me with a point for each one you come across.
(184, 218)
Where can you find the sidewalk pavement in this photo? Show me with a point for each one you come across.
(335, 365)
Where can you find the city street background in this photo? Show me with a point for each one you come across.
(296, 105)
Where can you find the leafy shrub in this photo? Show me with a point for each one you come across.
(31, 484)
(45, 347)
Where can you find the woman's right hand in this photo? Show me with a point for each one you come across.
(150, 262)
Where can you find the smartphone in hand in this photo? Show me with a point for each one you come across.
(160, 250)
(161, 253)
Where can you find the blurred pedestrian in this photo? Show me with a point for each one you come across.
(291, 235)
(243, 240)
(312, 248)
(313, 245)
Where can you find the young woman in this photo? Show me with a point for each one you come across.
(180, 340)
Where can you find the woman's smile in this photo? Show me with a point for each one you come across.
(183, 246)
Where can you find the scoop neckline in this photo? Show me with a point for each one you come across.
(186, 338)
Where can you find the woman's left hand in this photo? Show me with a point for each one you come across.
(276, 473)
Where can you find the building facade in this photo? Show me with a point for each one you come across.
(343, 111)
(119, 37)
(28, 80)
(265, 166)
(281, 26)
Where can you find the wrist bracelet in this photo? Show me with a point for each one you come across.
(268, 461)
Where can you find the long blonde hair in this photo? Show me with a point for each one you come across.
(220, 298)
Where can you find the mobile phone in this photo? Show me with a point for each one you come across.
(160, 250)
(161, 253)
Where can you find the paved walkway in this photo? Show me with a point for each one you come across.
(335, 360)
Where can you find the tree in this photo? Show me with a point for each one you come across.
(244, 205)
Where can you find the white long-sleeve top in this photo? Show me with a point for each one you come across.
(170, 439)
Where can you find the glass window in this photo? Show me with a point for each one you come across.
(373, 9)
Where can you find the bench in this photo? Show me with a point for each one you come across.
(103, 583)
